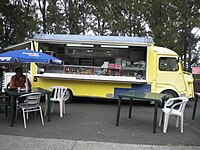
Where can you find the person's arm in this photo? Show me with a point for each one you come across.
(12, 82)
(24, 80)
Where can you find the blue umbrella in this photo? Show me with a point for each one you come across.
(28, 56)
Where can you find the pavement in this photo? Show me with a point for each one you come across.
(28, 143)
(89, 124)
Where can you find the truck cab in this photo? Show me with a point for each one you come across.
(170, 78)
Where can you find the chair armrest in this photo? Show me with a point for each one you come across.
(177, 104)
(4, 96)
(29, 94)
(170, 102)
(64, 93)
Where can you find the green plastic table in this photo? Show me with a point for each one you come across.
(197, 95)
(132, 95)
(12, 93)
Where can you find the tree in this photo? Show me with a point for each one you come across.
(15, 22)
(171, 23)
(129, 18)
(74, 16)
(99, 16)
(42, 7)
(53, 18)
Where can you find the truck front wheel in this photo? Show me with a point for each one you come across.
(170, 94)
(68, 96)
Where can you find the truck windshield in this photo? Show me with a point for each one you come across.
(168, 64)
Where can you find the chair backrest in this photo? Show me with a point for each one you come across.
(8, 85)
(3, 99)
(58, 92)
(177, 103)
(31, 98)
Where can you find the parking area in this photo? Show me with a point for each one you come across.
(89, 119)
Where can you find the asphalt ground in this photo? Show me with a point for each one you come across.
(89, 119)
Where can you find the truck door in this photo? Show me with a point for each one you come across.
(169, 75)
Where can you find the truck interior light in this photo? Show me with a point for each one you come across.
(79, 45)
(108, 52)
(114, 46)
(89, 51)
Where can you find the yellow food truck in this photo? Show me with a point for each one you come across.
(103, 66)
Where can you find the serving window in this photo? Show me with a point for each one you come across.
(128, 61)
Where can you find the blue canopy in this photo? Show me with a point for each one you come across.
(28, 56)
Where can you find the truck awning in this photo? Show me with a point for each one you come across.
(86, 39)
(23, 45)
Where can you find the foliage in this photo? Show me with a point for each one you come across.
(18, 23)
(169, 22)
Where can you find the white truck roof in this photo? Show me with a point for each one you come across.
(86, 39)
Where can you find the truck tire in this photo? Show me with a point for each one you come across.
(170, 93)
(68, 96)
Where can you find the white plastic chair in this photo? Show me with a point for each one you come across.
(59, 94)
(30, 104)
(176, 107)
